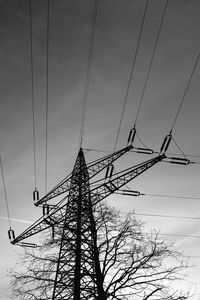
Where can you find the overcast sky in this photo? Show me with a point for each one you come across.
(117, 28)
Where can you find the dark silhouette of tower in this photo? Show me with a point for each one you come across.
(78, 269)
(78, 273)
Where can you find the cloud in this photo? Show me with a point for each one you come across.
(17, 220)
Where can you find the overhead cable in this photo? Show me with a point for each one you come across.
(47, 96)
(87, 80)
(164, 216)
(136, 193)
(131, 74)
(172, 196)
(179, 147)
(151, 61)
(154, 152)
(191, 256)
(141, 141)
(180, 235)
(5, 193)
(185, 92)
(168, 216)
(32, 91)
(173, 234)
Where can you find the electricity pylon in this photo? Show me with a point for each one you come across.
(78, 273)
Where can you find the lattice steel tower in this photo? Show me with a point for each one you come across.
(78, 270)
(78, 273)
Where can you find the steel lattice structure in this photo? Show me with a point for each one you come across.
(78, 268)
(78, 274)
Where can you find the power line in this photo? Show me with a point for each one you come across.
(87, 80)
(5, 193)
(180, 235)
(167, 234)
(164, 216)
(191, 256)
(178, 147)
(172, 234)
(185, 92)
(31, 222)
(151, 61)
(158, 195)
(172, 196)
(131, 73)
(32, 91)
(168, 216)
(141, 140)
(47, 97)
(132, 152)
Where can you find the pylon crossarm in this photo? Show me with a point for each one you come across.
(120, 179)
(97, 166)
(53, 217)
(93, 169)
(59, 189)
(56, 215)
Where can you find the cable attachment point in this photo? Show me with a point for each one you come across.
(130, 193)
(28, 245)
(165, 143)
(36, 196)
(131, 136)
(11, 234)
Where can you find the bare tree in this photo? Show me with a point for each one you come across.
(134, 265)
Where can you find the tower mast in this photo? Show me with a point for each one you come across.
(78, 274)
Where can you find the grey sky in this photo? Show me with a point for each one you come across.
(117, 28)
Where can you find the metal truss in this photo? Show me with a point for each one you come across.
(75, 276)
(57, 214)
(78, 274)
(93, 169)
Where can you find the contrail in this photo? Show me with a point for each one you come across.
(17, 220)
